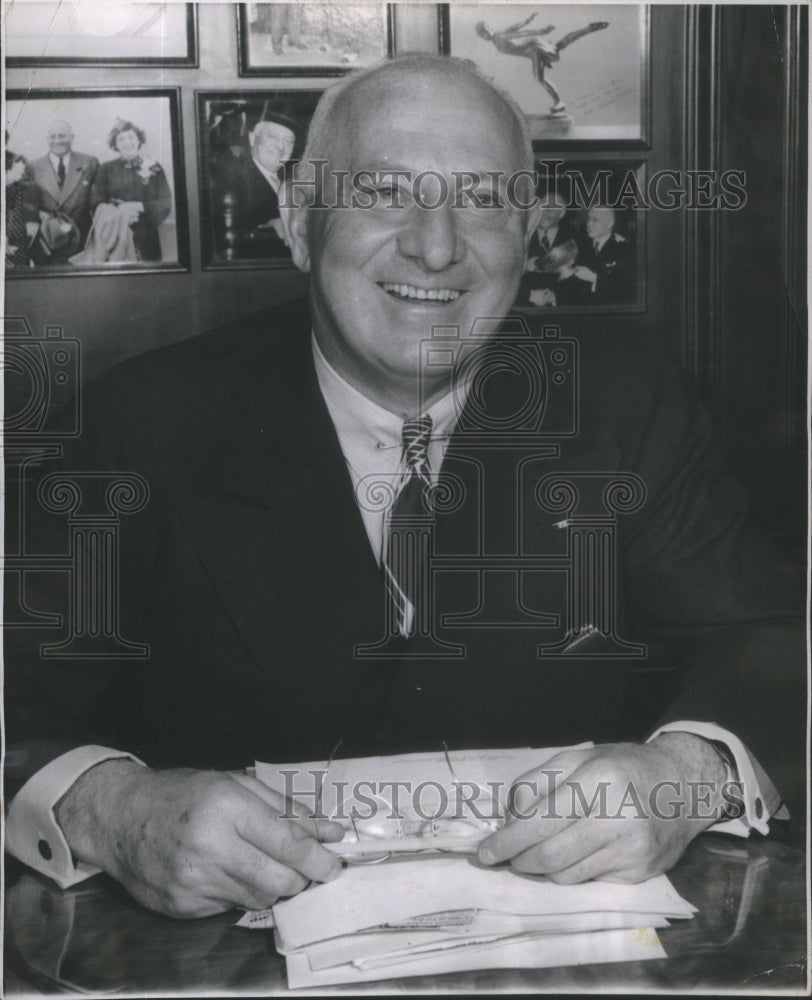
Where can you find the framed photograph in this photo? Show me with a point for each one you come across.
(246, 140)
(98, 182)
(578, 71)
(90, 33)
(588, 251)
(312, 39)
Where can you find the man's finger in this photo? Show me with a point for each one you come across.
(602, 863)
(292, 811)
(289, 842)
(570, 847)
(520, 834)
(261, 879)
(539, 782)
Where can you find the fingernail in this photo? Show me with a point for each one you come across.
(333, 874)
(486, 856)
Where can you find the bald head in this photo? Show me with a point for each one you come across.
(419, 83)
(60, 137)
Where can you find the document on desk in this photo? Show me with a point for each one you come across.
(430, 912)
(425, 916)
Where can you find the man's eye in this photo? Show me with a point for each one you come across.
(482, 199)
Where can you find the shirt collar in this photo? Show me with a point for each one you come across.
(55, 160)
(355, 414)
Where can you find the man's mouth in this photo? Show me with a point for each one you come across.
(413, 293)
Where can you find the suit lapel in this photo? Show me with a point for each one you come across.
(75, 173)
(282, 536)
(46, 178)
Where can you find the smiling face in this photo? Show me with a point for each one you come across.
(599, 222)
(60, 138)
(384, 275)
(271, 144)
(128, 144)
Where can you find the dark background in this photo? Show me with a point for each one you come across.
(726, 290)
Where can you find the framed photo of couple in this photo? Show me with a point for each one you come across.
(94, 182)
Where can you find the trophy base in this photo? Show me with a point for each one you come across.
(549, 126)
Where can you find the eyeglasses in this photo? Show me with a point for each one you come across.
(459, 829)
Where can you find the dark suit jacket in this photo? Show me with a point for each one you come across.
(250, 574)
(74, 197)
(256, 204)
(534, 280)
(615, 267)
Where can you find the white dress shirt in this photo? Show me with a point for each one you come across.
(371, 442)
(55, 162)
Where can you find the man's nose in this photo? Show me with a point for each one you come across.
(432, 237)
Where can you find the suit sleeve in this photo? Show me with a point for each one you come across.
(49, 700)
(701, 578)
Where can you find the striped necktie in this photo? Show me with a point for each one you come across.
(404, 555)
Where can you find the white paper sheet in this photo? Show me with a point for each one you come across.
(369, 896)
(539, 953)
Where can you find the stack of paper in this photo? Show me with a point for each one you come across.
(428, 913)
(427, 916)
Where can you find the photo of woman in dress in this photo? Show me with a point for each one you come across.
(22, 220)
(129, 201)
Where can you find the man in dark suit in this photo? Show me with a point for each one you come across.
(265, 572)
(554, 230)
(256, 189)
(607, 259)
(63, 181)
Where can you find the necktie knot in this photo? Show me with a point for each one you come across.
(416, 437)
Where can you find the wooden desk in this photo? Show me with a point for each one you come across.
(749, 935)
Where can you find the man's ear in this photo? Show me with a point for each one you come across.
(293, 211)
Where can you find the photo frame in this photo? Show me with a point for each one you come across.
(101, 186)
(579, 72)
(94, 34)
(246, 139)
(588, 253)
(313, 39)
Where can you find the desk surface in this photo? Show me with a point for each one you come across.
(749, 935)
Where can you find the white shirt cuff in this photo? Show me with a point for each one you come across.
(32, 833)
(761, 800)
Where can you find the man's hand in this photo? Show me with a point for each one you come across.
(586, 274)
(543, 297)
(619, 813)
(191, 843)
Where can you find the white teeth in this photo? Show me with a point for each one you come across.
(412, 292)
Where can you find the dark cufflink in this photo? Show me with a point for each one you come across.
(45, 850)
